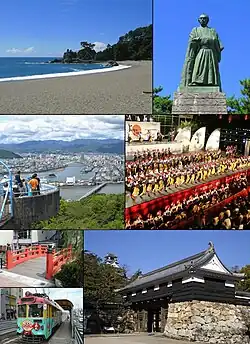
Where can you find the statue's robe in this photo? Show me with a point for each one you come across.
(201, 65)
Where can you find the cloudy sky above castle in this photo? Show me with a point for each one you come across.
(21, 128)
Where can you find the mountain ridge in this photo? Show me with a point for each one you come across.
(6, 154)
(77, 145)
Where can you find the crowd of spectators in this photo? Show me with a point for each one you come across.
(234, 216)
(155, 172)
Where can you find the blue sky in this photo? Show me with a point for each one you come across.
(48, 28)
(173, 21)
(148, 250)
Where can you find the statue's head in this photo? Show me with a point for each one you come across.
(203, 20)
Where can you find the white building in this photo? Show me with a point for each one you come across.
(18, 238)
(70, 180)
(8, 302)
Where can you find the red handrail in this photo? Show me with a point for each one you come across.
(54, 260)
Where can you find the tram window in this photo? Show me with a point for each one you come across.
(22, 311)
(36, 311)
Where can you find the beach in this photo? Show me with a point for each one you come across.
(116, 92)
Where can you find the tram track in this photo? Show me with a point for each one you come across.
(17, 340)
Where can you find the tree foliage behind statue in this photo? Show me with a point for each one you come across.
(240, 105)
(161, 104)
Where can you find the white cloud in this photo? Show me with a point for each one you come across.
(100, 46)
(29, 50)
(13, 50)
(16, 129)
(17, 50)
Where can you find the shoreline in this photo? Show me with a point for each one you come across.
(92, 93)
(60, 75)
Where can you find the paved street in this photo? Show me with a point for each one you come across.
(34, 268)
(133, 339)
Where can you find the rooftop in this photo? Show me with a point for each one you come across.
(206, 260)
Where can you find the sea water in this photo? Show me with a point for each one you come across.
(11, 68)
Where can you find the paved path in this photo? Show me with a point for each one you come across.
(62, 335)
(133, 339)
(27, 274)
(10, 279)
(34, 268)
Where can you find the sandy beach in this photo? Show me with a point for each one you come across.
(118, 92)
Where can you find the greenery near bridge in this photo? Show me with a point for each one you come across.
(94, 212)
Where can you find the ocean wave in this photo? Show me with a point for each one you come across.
(58, 75)
(34, 63)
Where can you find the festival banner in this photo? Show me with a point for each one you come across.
(143, 130)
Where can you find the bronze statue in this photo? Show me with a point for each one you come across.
(201, 66)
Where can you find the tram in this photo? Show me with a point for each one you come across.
(38, 316)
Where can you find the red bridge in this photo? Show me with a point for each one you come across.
(38, 261)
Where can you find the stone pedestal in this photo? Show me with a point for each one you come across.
(194, 100)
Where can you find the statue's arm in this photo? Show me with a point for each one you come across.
(193, 43)
(220, 43)
(220, 47)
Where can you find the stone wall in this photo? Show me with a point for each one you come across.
(28, 210)
(209, 322)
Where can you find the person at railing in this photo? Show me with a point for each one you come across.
(39, 183)
(34, 185)
(18, 179)
(16, 190)
(24, 189)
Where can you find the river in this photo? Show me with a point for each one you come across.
(62, 173)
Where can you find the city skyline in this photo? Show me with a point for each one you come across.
(38, 28)
(18, 129)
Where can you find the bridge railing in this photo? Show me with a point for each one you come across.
(55, 260)
(44, 189)
(16, 257)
